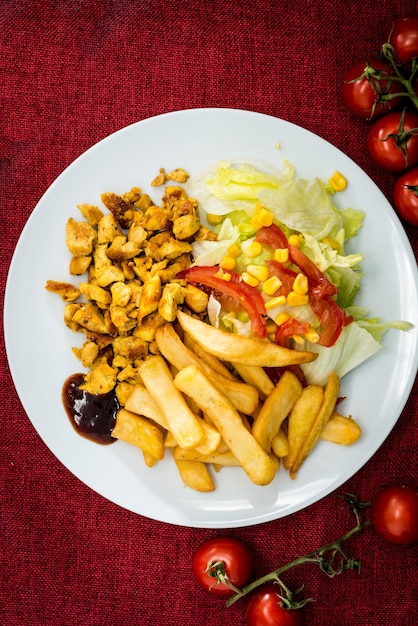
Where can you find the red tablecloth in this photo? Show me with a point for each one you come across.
(73, 72)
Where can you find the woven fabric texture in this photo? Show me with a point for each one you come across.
(72, 72)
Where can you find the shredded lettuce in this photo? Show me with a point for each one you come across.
(354, 346)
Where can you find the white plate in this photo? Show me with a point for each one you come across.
(39, 345)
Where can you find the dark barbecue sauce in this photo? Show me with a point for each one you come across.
(93, 416)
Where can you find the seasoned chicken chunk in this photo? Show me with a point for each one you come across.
(100, 379)
(66, 291)
(172, 295)
(80, 237)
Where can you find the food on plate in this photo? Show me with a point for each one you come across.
(218, 324)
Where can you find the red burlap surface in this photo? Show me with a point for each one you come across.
(73, 71)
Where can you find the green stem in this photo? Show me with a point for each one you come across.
(387, 52)
(317, 557)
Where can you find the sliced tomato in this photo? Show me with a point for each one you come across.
(248, 297)
(289, 328)
(319, 285)
(284, 274)
(272, 236)
(331, 318)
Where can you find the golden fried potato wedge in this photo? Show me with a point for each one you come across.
(257, 464)
(340, 429)
(301, 421)
(142, 402)
(280, 444)
(185, 426)
(275, 409)
(216, 458)
(195, 475)
(245, 350)
(140, 432)
(255, 376)
(211, 360)
(243, 397)
(330, 398)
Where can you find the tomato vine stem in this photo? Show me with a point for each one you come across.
(330, 558)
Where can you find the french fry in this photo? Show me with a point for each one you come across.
(149, 460)
(280, 444)
(247, 350)
(301, 420)
(256, 376)
(243, 397)
(195, 475)
(331, 392)
(211, 360)
(141, 402)
(140, 432)
(216, 458)
(212, 438)
(340, 429)
(275, 409)
(257, 464)
(185, 426)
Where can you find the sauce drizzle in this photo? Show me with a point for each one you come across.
(93, 416)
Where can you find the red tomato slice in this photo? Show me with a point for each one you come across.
(249, 298)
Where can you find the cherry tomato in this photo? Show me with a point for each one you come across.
(234, 558)
(405, 196)
(393, 141)
(364, 96)
(394, 514)
(264, 609)
(403, 36)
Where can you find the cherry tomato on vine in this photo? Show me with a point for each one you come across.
(392, 141)
(394, 514)
(264, 609)
(405, 196)
(403, 36)
(230, 557)
(364, 95)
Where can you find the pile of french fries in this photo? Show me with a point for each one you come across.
(207, 398)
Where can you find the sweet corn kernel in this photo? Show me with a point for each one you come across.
(228, 263)
(294, 240)
(271, 285)
(250, 280)
(298, 339)
(333, 243)
(300, 284)
(312, 336)
(254, 249)
(337, 181)
(223, 275)
(262, 218)
(214, 219)
(261, 272)
(271, 327)
(282, 318)
(234, 251)
(281, 255)
(295, 299)
(278, 301)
